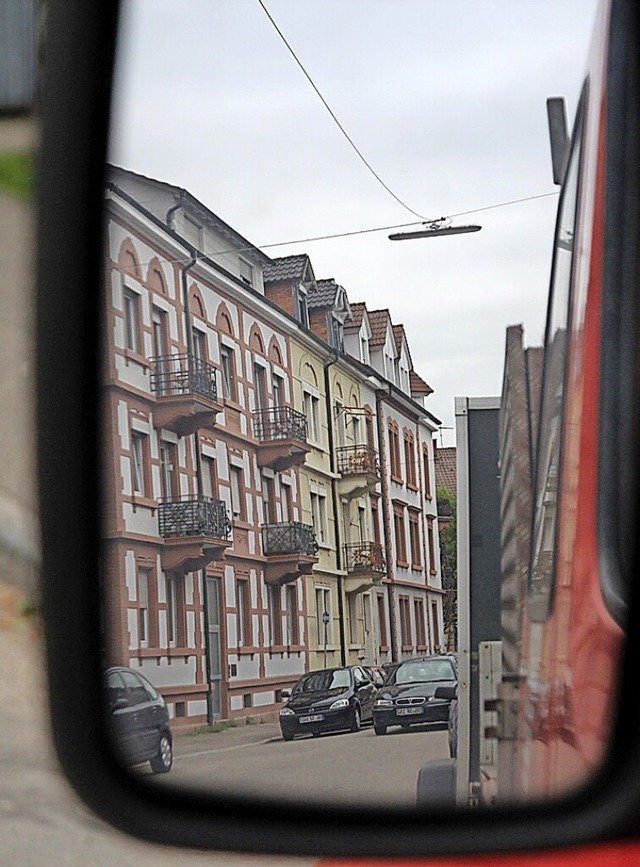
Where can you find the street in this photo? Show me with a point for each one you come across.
(347, 768)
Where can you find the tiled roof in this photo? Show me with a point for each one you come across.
(446, 469)
(398, 335)
(324, 295)
(378, 320)
(357, 314)
(287, 268)
(417, 385)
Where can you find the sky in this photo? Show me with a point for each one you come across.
(445, 99)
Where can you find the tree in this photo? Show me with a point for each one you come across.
(447, 509)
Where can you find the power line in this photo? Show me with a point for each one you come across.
(354, 232)
(334, 118)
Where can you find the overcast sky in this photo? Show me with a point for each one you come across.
(444, 98)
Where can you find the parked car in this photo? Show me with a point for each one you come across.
(408, 696)
(327, 700)
(139, 720)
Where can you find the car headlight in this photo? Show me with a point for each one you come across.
(286, 711)
(341, 702)
(383, 702)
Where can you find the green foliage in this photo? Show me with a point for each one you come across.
(449, 559)
(214, 729)
(17, 174)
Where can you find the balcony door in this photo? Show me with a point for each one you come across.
(369, 636)
(159, 336)
(169, 471)
(260, 385)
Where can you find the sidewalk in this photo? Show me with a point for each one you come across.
(235, 736)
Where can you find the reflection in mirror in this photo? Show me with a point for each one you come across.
(290, 499)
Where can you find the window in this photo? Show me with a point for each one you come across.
(375, 520)
(139, 452)
(319, 516)
(364, 349)
(421, 634)
(410, 460)
(431, 546)
(382, 621)
(354, 631)
(260, 386)
(293, 630)
(143, 607)
(312, 411)
(341, 428)
(436, 626)
(405, 623)
(400, 534)
(159, 332)
(286, 502)
(275, 615)
(169, 470)
(303, 308)
(323, 606)
(427, 474)
(362, 524)
(243, 604)
(277, 389)
(199, 339)
(246, 272)
(227, 363)
(132, 320)
(237, 493)
(414, 540)
(394, 452)
(269, 500)
(175, 610)
(209, 477)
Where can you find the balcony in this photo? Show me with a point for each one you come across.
(196, 531)
(365, 566)
(359, 468)
(282, 433)
(186, 392)
(290, 549)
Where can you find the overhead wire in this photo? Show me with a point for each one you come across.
(335, 118)
(354, 232)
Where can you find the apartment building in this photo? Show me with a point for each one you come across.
(268, 465)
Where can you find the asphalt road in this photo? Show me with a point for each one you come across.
(358, 769)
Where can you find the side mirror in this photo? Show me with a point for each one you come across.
(286, 693)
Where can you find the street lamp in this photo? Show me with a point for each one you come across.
(434, 229)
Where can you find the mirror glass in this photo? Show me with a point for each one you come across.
(294, 606)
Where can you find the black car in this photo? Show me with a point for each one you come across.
(327, 700)
(139, 720)
(408, 695)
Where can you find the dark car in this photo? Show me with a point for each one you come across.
(451, 693)
(139, 720)
(408, 696)
(330, 699)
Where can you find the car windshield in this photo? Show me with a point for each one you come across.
(319, 681)
(423, 672)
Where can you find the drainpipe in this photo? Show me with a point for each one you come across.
(334, 498)
(386, 527)
(425, 524)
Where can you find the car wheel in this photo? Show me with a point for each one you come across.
(379, 729)
(287, 737)
(356, 722)
(162, 761)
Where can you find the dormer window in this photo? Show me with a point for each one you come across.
(246, 272)
(364, 350)
(303, 307)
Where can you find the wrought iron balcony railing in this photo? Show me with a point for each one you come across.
(364, 557)
(357, 460)
(173, 375)
(289, 538)
(194, 515)
(279, 423)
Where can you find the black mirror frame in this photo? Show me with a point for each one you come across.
(76, 100)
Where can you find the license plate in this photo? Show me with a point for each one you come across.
(409, 711)
(314, 717)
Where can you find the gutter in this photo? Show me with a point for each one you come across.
(386, 526)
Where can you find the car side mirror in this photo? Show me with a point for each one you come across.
(286, 693)
(448, 692)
